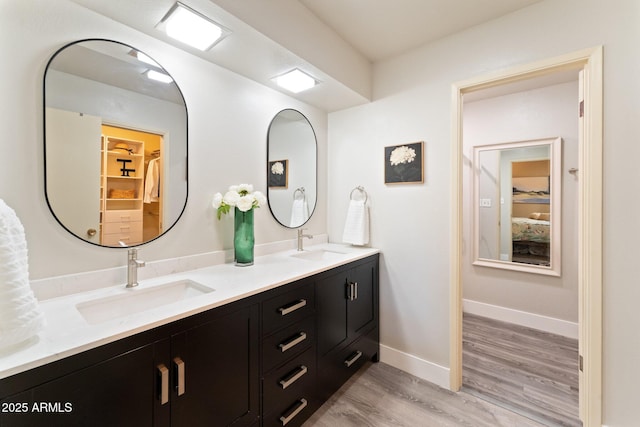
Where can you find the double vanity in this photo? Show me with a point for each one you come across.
(222, 345)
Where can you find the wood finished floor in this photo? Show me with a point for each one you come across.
(380, 395)
(531, 372)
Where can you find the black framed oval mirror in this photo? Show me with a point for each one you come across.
(115, 144)
(291, 168)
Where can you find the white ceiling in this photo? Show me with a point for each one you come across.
(336, 41)
(381, 29)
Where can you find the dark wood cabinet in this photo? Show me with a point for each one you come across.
(347, 319)
(204, 372)
(267, 360)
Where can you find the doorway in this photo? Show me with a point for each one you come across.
(589, 218)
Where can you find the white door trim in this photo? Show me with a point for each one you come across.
(590, 219)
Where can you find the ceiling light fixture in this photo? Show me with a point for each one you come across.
(190, 27)
(159, 77)
(295, 81)
(143, 58)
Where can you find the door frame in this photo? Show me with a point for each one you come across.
(590, 61)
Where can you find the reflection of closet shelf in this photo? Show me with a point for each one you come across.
(122, 173)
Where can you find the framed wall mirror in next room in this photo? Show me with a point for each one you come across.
(115, 142)
(517, 202)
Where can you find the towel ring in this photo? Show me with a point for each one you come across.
(301, 191)
(362, 191)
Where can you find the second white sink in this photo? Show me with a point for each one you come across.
(139, 299)
(319, 255)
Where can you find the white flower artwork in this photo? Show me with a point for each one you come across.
(404, 163)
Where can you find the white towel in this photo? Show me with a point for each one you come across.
(299, 212)
(152, 182)
(356, 227)
(20, 315)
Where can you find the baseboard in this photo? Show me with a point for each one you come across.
(522, 318)
(413, 365)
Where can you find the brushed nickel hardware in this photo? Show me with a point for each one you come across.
(133, 263)
(301, 235)
(292, 343)
(180, 383)
(352, 291)
(285, 419)
(353, 359)
(163, 375)
(300, 372)
(286, 310)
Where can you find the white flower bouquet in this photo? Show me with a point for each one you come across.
(238, 196)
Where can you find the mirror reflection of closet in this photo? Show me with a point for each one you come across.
(105, 122)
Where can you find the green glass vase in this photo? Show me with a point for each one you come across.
(243, 239)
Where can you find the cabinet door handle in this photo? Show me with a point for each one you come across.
(293, 307)
(353, 359)
(293, 342)
(299, 373)
(286, 418)
(163, 377)
(179, 369)
(352, 291)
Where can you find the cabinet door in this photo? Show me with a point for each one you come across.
(116, 392)
(331, 300)
(215, 372)
(362, 304)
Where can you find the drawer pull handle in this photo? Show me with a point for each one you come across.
(290, 309)
(163, 376)
(286, 418)
(286, 382)
(295, 341)
(179, 366)
(353, 359)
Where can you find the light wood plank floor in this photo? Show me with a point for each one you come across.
(381, 396)
(531, 372)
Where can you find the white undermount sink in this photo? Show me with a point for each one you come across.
(139, 299)
(319, 255)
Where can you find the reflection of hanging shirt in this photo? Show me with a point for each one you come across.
(152, 182)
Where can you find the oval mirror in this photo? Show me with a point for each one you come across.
(517, 218)
(291, 168)
(115, 141)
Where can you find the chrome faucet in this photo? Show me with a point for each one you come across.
(133, 263)
(300, 236)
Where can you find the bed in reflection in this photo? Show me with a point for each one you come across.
(531, 237)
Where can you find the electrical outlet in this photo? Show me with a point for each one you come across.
(485, 203)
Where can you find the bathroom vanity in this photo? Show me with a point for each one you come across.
(261, 346)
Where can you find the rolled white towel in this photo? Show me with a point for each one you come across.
(20, 315)
(356, 227)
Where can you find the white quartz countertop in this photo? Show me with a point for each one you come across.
(67, 332)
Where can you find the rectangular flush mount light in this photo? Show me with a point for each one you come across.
(157, 76)
(190, 27)
(295, 81)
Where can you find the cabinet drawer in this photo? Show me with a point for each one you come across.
(133, 228)
(291, 381)
(287, 308)
(287, 343)
(128, 238)
(122, 215)
(294, 415)
(336, 368)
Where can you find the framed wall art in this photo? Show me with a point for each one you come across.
(403, 164)
(279, 174)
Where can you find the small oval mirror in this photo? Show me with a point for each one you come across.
(291, 168)
(115, 131)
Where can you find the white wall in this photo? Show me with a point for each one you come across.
(535, 114)
(411, 224)
(228, 120)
